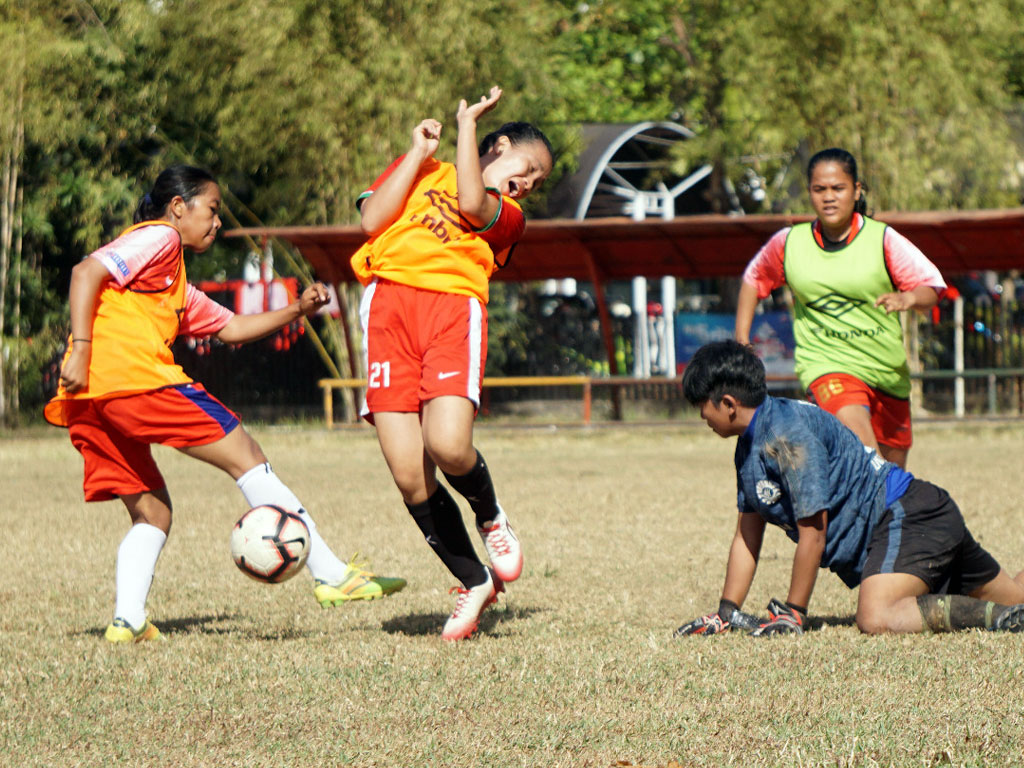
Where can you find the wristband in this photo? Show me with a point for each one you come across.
(81, 340)
(726, 608)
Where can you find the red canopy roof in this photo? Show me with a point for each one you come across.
(686, 247)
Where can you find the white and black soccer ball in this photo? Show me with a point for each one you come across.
(270, 544)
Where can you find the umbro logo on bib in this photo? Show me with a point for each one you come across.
(834, 304)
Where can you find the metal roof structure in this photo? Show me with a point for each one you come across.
(625, 169)
(687, 247)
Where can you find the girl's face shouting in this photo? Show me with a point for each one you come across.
(516, 170)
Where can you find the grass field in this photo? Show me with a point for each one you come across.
(625, 533)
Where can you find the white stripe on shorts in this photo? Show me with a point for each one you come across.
(475, 331)
(364, 321)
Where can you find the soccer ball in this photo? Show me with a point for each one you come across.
(270, 544)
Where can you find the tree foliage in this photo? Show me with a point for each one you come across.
(298, 104)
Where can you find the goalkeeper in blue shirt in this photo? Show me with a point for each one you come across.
(902, 540)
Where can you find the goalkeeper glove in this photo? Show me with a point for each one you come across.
(728, 616)
(783, 619)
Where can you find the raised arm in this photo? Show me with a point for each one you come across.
(87, 280)
(379, 210)
(243, 328)
(474, 202)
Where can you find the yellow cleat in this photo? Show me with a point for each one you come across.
(357, 584)
(122, 632)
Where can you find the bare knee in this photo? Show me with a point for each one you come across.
(414, 486)
(152, 508)
(897, 456)
(252, 454)
(871, 623)
(454, 454)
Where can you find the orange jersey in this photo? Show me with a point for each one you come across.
(135, 324)
(431, 246)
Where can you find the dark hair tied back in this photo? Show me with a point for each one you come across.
(185, 181)
(517, 133)
(849, 164)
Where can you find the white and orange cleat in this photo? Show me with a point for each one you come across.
(469, 605)
(503, 547)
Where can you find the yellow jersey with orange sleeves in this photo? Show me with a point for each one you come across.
(134, 325)
(430, 245)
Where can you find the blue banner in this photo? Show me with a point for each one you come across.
(771, 334)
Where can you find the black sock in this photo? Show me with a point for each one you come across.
(946, 613)
(478, 489)
(441, 522)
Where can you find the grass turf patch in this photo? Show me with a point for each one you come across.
(625, 534)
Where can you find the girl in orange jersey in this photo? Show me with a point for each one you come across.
(437, 231)
(121, 391)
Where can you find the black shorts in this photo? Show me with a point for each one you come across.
(924, 534)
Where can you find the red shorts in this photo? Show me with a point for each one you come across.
(114, 435)
(890, 416)
(420, 345)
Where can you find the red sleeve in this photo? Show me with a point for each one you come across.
(508, 225)
(202, 316)
(766, 271)
(909, 267)
(380, 180)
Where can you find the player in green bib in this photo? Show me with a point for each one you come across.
(850, 277)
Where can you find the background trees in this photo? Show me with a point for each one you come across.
(297, 104)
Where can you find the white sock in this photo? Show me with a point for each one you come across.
(261, 486)
(136, 562)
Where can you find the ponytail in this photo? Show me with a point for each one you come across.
(184, 181)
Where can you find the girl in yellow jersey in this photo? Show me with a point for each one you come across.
(121, 391)
(436, 232)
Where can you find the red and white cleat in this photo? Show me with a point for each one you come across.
(503, 547)
(469, 605)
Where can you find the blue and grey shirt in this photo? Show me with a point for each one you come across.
(795, 460)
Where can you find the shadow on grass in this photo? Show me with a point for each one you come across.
(208, 625)
(820, 622)
(432, 623)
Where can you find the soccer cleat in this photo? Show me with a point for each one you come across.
(1010, 620)
(503, 547)
(469, 605)
(120, 631)
(357, 584)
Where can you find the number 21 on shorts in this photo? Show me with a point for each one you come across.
(380, 375)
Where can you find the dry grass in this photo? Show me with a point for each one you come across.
(625, 534)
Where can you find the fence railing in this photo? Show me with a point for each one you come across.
(618, 384)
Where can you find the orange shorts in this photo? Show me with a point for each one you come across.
(420, 345)
(890, 416)
(114, 435)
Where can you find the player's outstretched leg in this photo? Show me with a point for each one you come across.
(334, 582)
(469, 604)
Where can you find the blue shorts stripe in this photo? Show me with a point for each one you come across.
(211, 406)
(892, 549)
